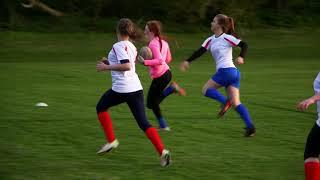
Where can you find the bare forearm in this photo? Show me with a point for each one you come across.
(316, 97)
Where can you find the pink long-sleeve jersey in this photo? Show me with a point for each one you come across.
(159, 64)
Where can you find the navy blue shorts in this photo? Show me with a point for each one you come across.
(227, 77)
(134, 100)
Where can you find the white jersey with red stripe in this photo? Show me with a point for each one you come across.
(221, 49)
(316, 86)
(124, 81)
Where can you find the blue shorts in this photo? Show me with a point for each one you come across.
(227, 77)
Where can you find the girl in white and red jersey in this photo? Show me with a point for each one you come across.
(126, 88)
(312, 149)
(220, 45)
(159, 71)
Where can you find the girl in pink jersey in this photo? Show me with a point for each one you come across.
(159, 71)
(126, 88)
(220, 45)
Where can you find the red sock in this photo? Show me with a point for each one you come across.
(312, 170)
(106, 124)
(154, 137)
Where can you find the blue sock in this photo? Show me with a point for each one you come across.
(215, 94)
(169, 90)
(162, 122)
(244, 114)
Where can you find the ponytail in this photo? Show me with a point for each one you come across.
(231, 29)
(227, 24)
(160, 42)
(155, 27)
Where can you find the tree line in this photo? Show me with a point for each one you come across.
(248, 13)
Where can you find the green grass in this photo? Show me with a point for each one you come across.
(59, 142)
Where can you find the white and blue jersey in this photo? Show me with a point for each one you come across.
(221, 50)
(316, 87)
(124, 81)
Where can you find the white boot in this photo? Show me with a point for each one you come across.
(108, 147)
(165, 158)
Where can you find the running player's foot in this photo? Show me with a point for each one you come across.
(178, 89)
(165, 158)
(250, 132)
(164, 129)
(108, 147)
(224, 108)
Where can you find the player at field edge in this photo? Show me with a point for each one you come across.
(159, 71)
(126, 87)
(312, 148)
(220, 45)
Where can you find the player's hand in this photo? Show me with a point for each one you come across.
(303, 105)
(240, 60)
(140, 59)
(101, 66)
(184, 66)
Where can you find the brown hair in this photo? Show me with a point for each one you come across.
(126, 27)
(227, 24)
(155, 27)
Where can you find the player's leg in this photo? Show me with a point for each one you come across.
(210, 89)
(173, 87)
(311, 154)
(136, 104)
(154, 99)
(234, 94)
(108, 99)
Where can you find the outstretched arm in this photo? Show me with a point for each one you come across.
(185, 65)
(197, 54)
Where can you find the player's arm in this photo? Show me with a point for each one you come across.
(168, 57)
(123, 66)
(157, 57)
(243, 52)
(303, 105)
(244, 48)
(196, 54)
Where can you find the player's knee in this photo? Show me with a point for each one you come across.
(311, 159)
(150, 105)
(99, 108)
(144, 125)
(235, 102)
(204, 91)
(311, 155)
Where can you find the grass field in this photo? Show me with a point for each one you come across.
(60, 141)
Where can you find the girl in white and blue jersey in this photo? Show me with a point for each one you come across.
(312, 149)
(220, 45)
(126, 88)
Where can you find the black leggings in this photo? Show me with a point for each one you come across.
(155, 94)
(313, 143)
(134, 100)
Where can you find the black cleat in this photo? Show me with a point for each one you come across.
(250, 132)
